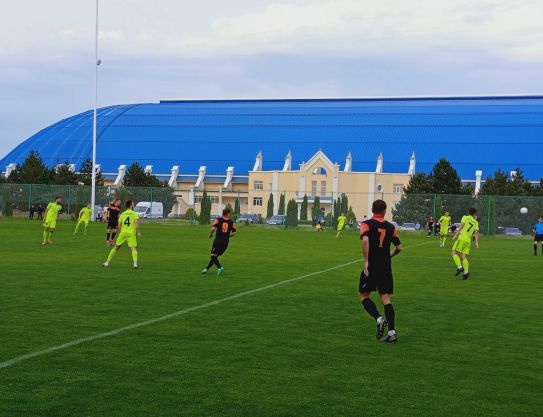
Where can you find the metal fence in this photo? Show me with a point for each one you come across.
(495, 213)
(19, 199)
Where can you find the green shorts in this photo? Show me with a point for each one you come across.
(130, 238)
(51, 223)
(462, 246)
(83, 221)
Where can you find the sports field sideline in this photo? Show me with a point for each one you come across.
(281, 333)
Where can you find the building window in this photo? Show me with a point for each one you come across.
(257, 201)
(397, 188)
(214, 199)
(323, 188)
(319, 171)
(313, 187)
(258, 185)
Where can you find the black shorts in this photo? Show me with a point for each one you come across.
(112, 225)
(538, 238)
(219, 247)
(377, 281)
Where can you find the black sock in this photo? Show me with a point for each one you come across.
(215, 260)
(210, 264)
(535, 248)
(371, 308)
(108, 235)
(113, 235)
(389, 314)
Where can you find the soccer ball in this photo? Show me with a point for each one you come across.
(524, 210)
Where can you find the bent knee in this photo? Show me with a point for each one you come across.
(363, 295)
(385, 298)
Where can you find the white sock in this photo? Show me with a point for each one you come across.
(391, 332)
(380, 320)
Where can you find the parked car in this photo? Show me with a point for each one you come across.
(512, 231)
(410, 227)
(277, 219)
(247, 217)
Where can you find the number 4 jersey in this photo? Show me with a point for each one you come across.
(381, 235)
(127, 221)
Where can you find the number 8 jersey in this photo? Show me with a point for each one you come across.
(381, 235)
(127, 221)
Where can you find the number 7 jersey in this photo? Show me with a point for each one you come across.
(381, 235)
(127, 221)
(470, 226)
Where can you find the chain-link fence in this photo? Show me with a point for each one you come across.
(32, 199)
(496, 214)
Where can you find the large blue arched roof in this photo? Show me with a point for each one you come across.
(473, 133)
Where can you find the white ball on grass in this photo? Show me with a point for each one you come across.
(524, 210)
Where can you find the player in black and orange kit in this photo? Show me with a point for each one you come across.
(377, 236)
(113, 211)
(224, 228)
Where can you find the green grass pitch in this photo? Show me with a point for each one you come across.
(304, 348)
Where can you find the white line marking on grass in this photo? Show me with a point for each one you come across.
(115, 332)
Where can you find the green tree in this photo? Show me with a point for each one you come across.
(337, 211)
(269, 210)
(64, 175)
(237, 207)
(344, 207)
(137, 177)
(351, 215)
(501, 184)
(292, 214)
(205, 209)
(190, 214)
(281, 204)
(303, 208)
(31, 171)
(419, 184)
(444, 178)
(316, 209)
(519, 185)
(496, 185)
(85, 174)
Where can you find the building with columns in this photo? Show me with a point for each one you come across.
(321, 177)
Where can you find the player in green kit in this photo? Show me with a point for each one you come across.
(84, 218)
(445, 222)
(468, 231)
(341, 220)
(50, 223)
(129, 228)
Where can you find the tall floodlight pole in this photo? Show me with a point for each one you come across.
(96, 63)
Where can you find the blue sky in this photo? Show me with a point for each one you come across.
(175, 49)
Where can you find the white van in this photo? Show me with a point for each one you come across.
(150, 210)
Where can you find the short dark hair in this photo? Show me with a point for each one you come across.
(128, 203)
(57, 197)
(379, 207)
(226, 212)
(472, 211)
